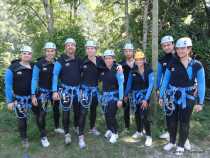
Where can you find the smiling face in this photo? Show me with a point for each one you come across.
(128, 53)
(109, 60)
(91, 51)
(139, 62)
(183, 51)
(50, 53)
(70, 48)
(26, 56)
(168, 47)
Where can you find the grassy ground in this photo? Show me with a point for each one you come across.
(98, 147)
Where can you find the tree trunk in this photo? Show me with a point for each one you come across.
(207, 8)
(154, 55)
(145, 25)
(49, 15)
(127, 22)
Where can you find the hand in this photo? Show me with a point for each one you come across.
(56, 96)
(119, 68)
(119, 103)
(161, 102)
(10, 106)
(125, 99)
(198, 108)
(34, 100)
(144, 104)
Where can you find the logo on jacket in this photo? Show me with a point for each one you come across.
(19, 73)
(67, 64)
(164, 64)
(44, 69)
(85, 66)
(172, 69)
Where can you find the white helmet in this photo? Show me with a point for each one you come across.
(26, 49)
(70, 40)
(184, 42)
(91, 43)
(109, 52)
(128, 46)
(49, 45)
(166, 39)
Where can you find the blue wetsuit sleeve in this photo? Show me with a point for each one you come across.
(201, 85)
(159, 75)
(151, 85)
(8, 80)
(165, 82)
(120, 80)
(129, 84)
(56, 72)
(35, 79)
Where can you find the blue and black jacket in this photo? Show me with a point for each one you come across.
(178, 76)
(17, 81)
(68, 71)
(138, 82)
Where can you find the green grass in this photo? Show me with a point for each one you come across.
(97, 147)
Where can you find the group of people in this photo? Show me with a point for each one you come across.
(72, 83)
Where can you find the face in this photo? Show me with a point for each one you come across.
(139, 62)
(108, 60)
(70, 48)
(50, 53)
(26, 56)
(168, 47)
(183, 52)
(91, 51)
(128, 53)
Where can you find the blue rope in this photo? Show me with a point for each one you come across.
(22, 105)
(68, 93)
(105, 98)
(87, 94)
(135, 98)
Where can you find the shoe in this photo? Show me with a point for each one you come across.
(59, 130)
(148, 141)
(94, 131)
(82, 144)
(67, 139)
(44, 141)
(113, 138)
(25, 143)
(169, 146)
(137, 135)
(179, 151)
(108, 134)
(165, 136)
(187, 145)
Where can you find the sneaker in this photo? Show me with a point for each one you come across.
(165, 136)
(169, 146)
(67, 139)
(187, 145)
(25, 143)
(82, 142)
(108, 134)
(137, 135)
(94, 131)
(179, 151)
(113, 138)
(44, 142)
(148, 141)
(59, 130)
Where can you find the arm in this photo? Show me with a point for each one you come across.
(56, 72)
(9, 85)
(35, 79)
(120, 79)
(166, 80)
(159, 75)
(201, 86)
(151, 85)
(129, 84)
